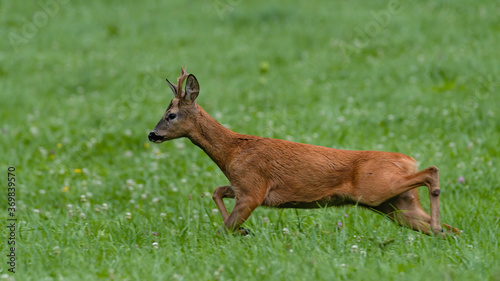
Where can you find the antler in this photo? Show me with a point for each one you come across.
(180, 81)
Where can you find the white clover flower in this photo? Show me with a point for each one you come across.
(286, 231)
(43, 151)
(34, 131)
(411, 239)
(354, 248)
(128, 215)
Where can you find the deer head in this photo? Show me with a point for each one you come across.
(178, 119)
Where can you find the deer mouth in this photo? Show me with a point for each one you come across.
(155, 138)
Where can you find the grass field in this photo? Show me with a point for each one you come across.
(82, 84)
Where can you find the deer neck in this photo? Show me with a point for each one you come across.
(217, 141)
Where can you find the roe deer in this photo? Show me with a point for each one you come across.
(284, 174)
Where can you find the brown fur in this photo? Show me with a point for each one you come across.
(283, 174)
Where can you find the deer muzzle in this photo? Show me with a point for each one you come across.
(154, 137)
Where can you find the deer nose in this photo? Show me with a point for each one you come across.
(154, 137)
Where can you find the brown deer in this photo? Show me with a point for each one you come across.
(284, 174)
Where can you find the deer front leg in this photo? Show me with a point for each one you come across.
(222, 192)
(242, 209)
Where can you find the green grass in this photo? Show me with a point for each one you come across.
(83, 86)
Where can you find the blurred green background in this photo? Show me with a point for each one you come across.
(83, 82)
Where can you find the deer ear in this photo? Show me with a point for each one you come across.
(192, 89)
(173, 87)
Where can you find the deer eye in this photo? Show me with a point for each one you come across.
(171, 116)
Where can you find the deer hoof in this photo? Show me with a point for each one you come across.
(245, 232)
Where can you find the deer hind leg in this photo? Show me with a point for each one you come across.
(430, 178)
(432, 182)
(405, 209)
(414, 214)
(401, 184)
(219, 193)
